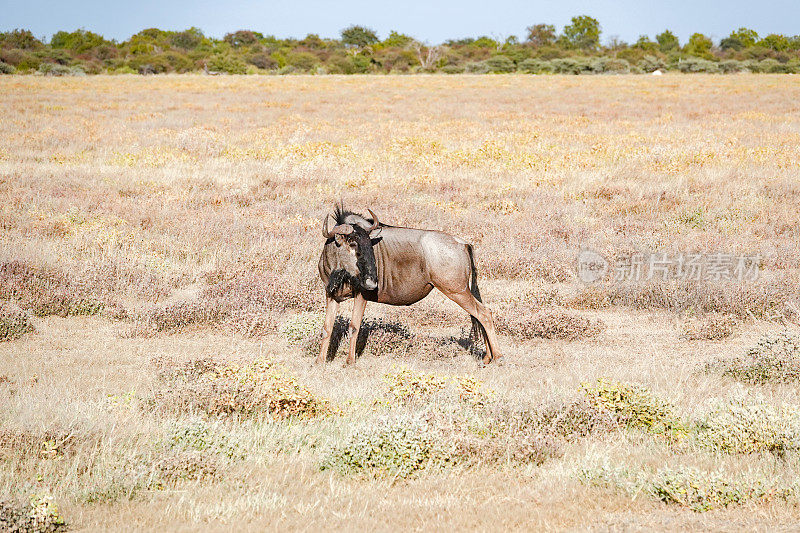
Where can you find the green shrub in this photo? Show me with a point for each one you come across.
(5, 68)
(54, 69)
(635, 407)
(394, 447)
(453, 69)
(651, 63)
(299, 327)
(477, 67)
(731, 66)
(14, 322)
(701, 491)
(696, 64)
(607, 65)
(536, 66)
(227, 63)
(749, 424)
(774, 359)
(500, 64)
(38, 515)
(572, 65)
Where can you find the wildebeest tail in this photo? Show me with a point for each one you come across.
(478, 330)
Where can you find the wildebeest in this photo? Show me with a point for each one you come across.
(369, 261)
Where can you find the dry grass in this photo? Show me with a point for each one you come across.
(177, 219)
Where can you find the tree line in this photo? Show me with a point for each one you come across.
(577, 49)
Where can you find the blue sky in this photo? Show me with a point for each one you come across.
(432, 21)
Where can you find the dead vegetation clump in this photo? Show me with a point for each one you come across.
(255, 285)
(174, 318)
(550, 324)
(187, 466)
(45, 291)
(764, 299)
(46, 444)
(250, 389)
(774, 359)
(713, 326)
(38, 515)
(14, 322)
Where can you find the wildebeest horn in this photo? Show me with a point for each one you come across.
(375, 222)
(341, 229)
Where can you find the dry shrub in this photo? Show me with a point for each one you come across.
(254, 285)
(14, 322)
(46, 292)
(249, 389)
(187, 465)
(46, 444)
(551, 324)
(407, 387)
(38, 515)
(175, 317)
(765, 298)
(747, 423)
(774, 359)
(710, 327)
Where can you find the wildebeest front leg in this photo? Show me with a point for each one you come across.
(359, 304)
(327, 329)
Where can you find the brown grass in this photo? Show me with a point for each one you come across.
(178, 218)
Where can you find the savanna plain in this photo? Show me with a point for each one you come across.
(161, 306)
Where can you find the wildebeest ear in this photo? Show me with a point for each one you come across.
(375, 241)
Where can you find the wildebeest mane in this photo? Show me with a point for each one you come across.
(340, 215)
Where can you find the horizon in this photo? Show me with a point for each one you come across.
(625, 20)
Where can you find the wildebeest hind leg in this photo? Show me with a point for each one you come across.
(475, 308)
(327, 329)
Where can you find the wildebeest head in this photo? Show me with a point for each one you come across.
(354, 239)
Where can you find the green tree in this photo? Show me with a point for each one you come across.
(22, 39)
(399, 40)
(741, 38)
(541, 35)
(358, 37)
(667, 42)
(79, 41)
(699, 46)
(645, 43)
(583, 33)
(241, 38)
(188, 39)
(775, 41)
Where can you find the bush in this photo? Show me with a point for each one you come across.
(536, 66)
(477, 67)
(54, 69)
(453, 69)
(651, 63)
(14, 322)
(38, 515)
(552, 324)
(606, 65)
(571, 65)
(750, 424)
(227, 63)
(176, 317)
(710, 327)
(635, 407)
(696, 64)
(731, 66)
(395, 447)
(500, 64)
(5, 68)
(774, 359)
(45, 292)
(251, 389)
(701, 491)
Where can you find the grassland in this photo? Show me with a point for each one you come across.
(160, 302)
